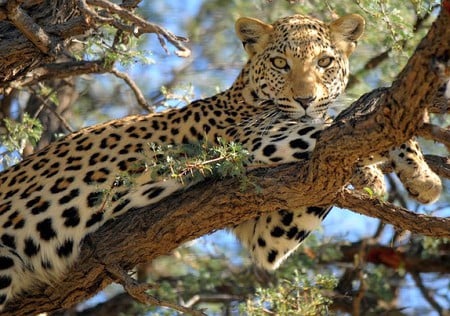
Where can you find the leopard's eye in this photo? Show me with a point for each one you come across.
(280, 63)
(325, 61)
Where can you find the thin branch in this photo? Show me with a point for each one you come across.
(397, 216)
(77, 68)
(213, 298)
(137, 291)
(134, 87)
(44, 104)
(375, 61)
(425, 293)
(379, 231)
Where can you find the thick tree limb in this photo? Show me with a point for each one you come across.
(26, 25)
(387, 117)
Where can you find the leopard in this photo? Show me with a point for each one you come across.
(276, 109)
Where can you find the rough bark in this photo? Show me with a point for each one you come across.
(32, 50)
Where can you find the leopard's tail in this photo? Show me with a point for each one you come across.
(273, 237)
(9, 263)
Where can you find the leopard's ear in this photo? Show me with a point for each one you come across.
(346, 31)
(253, 33)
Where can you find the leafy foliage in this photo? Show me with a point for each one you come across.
(194, 162)
(17, 135)
(110, 46)
(295, 296)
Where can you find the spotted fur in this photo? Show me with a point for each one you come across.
(276, 109)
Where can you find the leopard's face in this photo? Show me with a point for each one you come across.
(299, 62)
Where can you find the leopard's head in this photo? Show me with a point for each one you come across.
(299, 62)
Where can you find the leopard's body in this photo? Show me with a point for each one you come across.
(276, 109)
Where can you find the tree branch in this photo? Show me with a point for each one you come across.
(397, 216)
(134, 87)
(436, 133)
(425, 293)
(439, 165)
(59, 70)
(376, 122)
(137, 291)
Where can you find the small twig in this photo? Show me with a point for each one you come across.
(134, 87)
(395, 258)
(212, 298)
(44, 104)
(379, 230)
(26, 25)
(389, 24)
(426, 295)
(137, 291)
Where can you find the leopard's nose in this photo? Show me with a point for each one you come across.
(305, 101)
